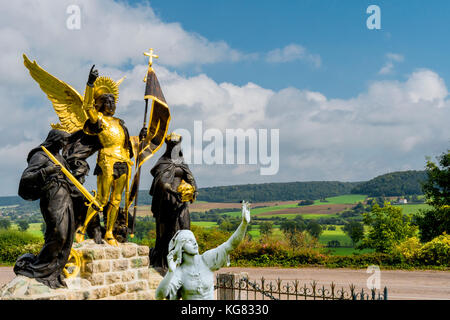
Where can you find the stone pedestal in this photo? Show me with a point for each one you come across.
(107, 273)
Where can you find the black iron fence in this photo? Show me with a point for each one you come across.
(239, 287)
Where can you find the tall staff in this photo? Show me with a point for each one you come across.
(156, 131)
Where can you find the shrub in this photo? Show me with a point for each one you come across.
(14, 243)
(148, 240)
(209, 238)
(363, 260)
(436, 252)
(23, 225)
(407, 250)
(305, 202)
(5, 223)
(387, 228)
(274, 253)
(333, 244)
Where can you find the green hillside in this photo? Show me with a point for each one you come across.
(393, 184)
(276, 191)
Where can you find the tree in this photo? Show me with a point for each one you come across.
(305, 202)
(5, 224)
(355, 230)
(290, 226)
(387, 227)
(435, 221)
(333, 244)
(437, 187)
(314, 229)
(229, 225)
(23, 225)
(142, 227)
(358, 208)
(266, 228)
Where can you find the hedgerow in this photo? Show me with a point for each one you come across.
(14, 243)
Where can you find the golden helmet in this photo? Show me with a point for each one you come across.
(106, 85)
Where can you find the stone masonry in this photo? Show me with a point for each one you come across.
(107, 273)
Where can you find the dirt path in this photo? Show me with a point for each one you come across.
(402, 285)
(6, 275)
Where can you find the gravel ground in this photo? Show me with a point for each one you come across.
(402, 285)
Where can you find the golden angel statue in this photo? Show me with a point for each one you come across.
(93, 114)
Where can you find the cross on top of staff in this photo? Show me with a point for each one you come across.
(150, 56)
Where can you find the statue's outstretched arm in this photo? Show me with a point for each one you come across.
(88, 101)
(239, 234)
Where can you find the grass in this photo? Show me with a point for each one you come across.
(204, 224)
(326, 236)
(254, 232)
(257, 211)
(338, 234)
(412, 208)
(34, 229)
(348, 251)
(344, 199)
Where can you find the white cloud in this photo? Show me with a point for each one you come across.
(391, 59)
(293, 52)
(390, 126)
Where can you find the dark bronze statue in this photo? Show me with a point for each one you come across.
(43, 180)
(172, 188)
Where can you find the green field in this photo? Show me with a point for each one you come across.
(254, 232)
(204, 224)
(338, 234)
(304, 215)
(412, 208)
(34, 229)
(344, 199)
(257, 211)
(326, 236)
(347, 251)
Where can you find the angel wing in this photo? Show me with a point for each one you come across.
(67, 102)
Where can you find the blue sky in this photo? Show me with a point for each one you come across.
(351, 54)
(349, 103)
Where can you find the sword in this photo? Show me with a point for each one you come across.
(91, 198)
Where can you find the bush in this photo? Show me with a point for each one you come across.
(387, 228)
(408, 250)
(274, 253)
(209, 238)
(333, 244)
(5, 223)
(148, 240)
(436, 252)
(14, 243)
(363, 260)
(305, 203)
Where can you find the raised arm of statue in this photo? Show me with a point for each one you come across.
(88, 102)
(216, 258)
(239, 234)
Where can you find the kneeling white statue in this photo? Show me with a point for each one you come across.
(191, 275)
